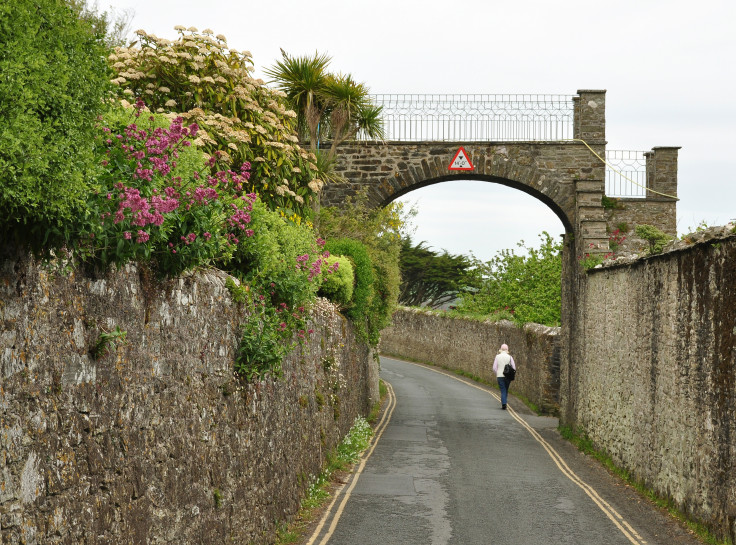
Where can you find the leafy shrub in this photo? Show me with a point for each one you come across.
(526, 286)
(281, 257)
(363, 292)
(54, 80)
(656, 238)
(262, 345)
(386, 292)
(380, 231)
(280, 267)
(146, 205)
(268, 332)
(337, 281)
(206, 82)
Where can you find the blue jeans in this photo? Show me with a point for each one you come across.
(504, 386)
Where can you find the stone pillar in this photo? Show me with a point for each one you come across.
(661, 176)
(589, 122)
(662, 162)
(590, 116)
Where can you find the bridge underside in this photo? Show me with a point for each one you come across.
(565, 176)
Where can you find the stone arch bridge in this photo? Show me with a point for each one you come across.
(544, 145)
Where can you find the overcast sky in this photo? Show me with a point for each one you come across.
(667, 66)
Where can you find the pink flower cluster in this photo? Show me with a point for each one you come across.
(144, 211)
(315, 268)
(188, 239)
(147, 204)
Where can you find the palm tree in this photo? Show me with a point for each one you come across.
(350, 110)
(303, 79)
(328, 106)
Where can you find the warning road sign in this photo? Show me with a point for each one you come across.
(461, 161)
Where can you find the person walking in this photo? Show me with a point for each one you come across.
(502, 358)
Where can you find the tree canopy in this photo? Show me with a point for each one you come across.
(527, 287)
(430, 278)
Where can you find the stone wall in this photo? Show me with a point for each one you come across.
(659, 212)
(471, 346)
(158, 442)
(651, 374)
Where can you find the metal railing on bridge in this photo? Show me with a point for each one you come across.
(628, 177)
(501, 118)
(480, 117)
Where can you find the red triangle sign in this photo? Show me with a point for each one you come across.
(461, 161)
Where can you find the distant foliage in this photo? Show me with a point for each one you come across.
(113, 24)
(526, 286)
(199, 78)
(48, 115)
(430, 278)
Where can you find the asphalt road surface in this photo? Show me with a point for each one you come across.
(449, 467)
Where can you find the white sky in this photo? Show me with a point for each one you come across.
(667, 66)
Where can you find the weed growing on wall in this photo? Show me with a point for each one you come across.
(656, 238)
(108, 341)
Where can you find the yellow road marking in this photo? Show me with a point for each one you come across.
(382, 425)
(624, 527)
(604, 506)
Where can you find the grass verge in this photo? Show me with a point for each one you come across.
(340, 460)
(586, 446)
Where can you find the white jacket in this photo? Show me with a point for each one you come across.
(502, 358)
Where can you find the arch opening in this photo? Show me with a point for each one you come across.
(538, 195)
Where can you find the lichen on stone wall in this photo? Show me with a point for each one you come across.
(654, 378)
(131, 446)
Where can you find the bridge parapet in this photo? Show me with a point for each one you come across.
(554, 150)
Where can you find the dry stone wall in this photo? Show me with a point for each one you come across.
(471, 346)
(652, 373)
(158, 442)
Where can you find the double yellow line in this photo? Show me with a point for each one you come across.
(624, 527)
(382, 425)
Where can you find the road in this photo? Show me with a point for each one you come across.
(449, 467)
